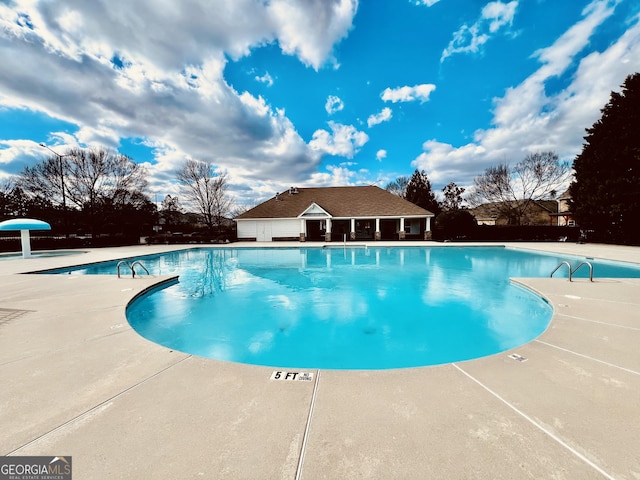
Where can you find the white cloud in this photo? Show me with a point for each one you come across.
(499, 14)
(428, 3)
(381, 155)
(383, 116)
(469, 39)
(343, 140)
(112, 70)
(333, 104)
(13, 150)
(266, 79)
(310, 29)
(526, 119)
(339, 175)
(408, 94)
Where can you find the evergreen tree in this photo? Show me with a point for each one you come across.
(606, 191)
(419, 192)
(452, 194)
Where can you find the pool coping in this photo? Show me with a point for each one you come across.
(78, 381)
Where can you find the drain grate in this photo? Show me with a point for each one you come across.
(517, 357)
(7, 314)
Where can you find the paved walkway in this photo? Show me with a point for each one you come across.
(77, 380)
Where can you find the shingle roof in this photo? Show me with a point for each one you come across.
(368, 201)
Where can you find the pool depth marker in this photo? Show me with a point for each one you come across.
(292, 376)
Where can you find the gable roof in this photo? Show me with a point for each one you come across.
(368, 201)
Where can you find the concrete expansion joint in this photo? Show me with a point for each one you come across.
(608, 324)
(96, 407)
(544, 430)
(307, 426)
(613, 365)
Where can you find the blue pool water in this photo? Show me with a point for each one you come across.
(40, 254)
(346, 308)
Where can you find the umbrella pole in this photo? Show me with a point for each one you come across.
(26, 243)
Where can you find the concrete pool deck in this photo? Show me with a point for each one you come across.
(78, 381)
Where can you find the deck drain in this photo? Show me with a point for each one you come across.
(517, 357)
(7, 314)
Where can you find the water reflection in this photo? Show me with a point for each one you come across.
(339, 308)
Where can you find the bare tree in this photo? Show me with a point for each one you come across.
(96, 174)
(83, 176)
(514, 189)
(7, 185)
(86, 179)
(6, 189)
(206, 190)
(45, 179)
(398, 186)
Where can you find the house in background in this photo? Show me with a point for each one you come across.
(538, 212)
(564, 215)
(333, 214)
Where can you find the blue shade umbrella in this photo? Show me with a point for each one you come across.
(24, 225)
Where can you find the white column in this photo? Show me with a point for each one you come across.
(428, 226)
(328, 230)
(353, 225)
(26, 243)
(402, 224)
(303, 227)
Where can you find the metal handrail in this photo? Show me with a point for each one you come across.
(572, 271)
(137, 262)
(560, 265)
(590, 270)
(120, 263)
(132, 267)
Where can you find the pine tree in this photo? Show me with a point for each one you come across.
(419, 192)
(606, 191)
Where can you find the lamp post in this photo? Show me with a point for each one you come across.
(64, 197)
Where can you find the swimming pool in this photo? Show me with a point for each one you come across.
(346, 308)
(41, 254)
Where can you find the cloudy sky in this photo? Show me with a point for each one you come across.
(309, 92)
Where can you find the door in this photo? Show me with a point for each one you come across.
(264, 232)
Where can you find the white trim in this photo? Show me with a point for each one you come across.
(359, 217)
(381, 217)
(314, 206)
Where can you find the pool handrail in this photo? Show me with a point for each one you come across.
(131, 266)
(133, 271)
(588, 264)
(572, 271)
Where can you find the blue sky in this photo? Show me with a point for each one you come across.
(309, 93)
